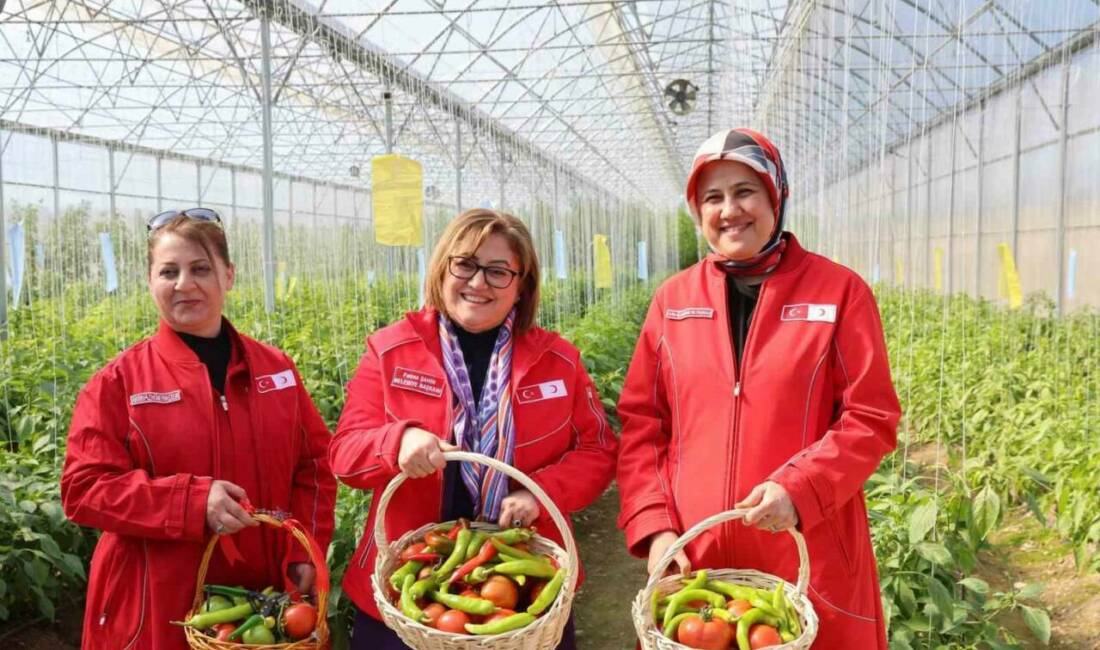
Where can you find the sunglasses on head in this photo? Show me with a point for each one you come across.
(202, 214)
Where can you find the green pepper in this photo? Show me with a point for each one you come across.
(253, 621)
(512, 552)
(674, 622)
(210, 619)
(457, 555)
(720, 614)
(513, 622)
(745, 623)
(529, 568)
(479, 575)
(655, 604)
(792, 617)
(408, 603)
(687, 595)
(214, 603)
(476, 540)
(514, 535)
(410, 568)
(420, 588)
(698, 582)
(731, 591)
(476, 606)
(548, 594)
(777, 597)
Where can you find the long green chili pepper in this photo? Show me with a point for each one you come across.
(787, 636)
(676, 603)
(410, 568)
(698, 582)
(720, 614)
(477, 606)
(674, 622)
(731, 591)
(420, 588)
(476, 540)
(512, 552)
(745, 623)
(253, 621)
(479, 575)
(654, 604)
(529, 568)
(457, 555)
(514, 535)
(777, 597)
(792, 616)
(408, 603)
(209, 619)
(548, 594)
(222, 590)
(513, 622)
(760, 603)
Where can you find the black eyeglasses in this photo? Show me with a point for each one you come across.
(498, 277)
(202, 214)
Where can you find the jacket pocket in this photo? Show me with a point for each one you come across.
(118, 597)
(842, 545)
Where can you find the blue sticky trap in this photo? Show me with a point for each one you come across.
(422, 272)
(1071, 274)
(559, 255)
(17, 257)
(643, 261)
(110, 271)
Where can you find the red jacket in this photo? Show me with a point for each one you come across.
(811, 407)
(148, 437)
(565, 444)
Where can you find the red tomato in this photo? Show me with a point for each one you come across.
(413, 549)
(764, 636)
(714, 634)
(500, 613)
(223, 630)
(500, 591)
(452, 621)
(433, 612)
(469, 592)
(738, 607)
(299, 620)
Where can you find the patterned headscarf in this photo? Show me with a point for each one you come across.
(753, 149)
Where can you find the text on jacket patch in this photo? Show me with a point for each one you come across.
(419, 382)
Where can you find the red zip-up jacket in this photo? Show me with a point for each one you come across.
(149, 434)
(810, 406)
(563, 440)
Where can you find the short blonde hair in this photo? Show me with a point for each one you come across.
(463, 235)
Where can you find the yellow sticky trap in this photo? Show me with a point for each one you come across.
(293, 284)
(397, 197)
(899, 272)
(603, 262)
(280, 281)
(1009, 282)
(938, 268)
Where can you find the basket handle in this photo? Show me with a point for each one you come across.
(722, 517)
(464, 456)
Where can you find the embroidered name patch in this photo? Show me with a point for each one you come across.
(155, 398)
(809, 312)
(538, 392)
(416, 381)
(277, 381)
(689, 312)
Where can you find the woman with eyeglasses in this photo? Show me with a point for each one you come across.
(471, 371)
(172, 437)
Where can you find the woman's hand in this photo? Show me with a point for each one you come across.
(224, 514)
(520, 508)
(421, 452)
(303, 575)
(658, 544)
(770, 508)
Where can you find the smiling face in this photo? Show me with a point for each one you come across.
(735, 210)
(473, 304)
(188, 285)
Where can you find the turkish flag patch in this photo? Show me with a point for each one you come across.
(809, 312)
(538, 392)
(277, 381)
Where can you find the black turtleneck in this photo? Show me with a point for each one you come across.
(742, 299)
(214, 354)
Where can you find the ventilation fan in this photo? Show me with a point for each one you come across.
(681, 96)
(431, 192)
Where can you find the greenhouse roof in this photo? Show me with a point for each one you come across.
(577, 85)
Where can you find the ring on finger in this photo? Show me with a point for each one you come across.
(517, 522)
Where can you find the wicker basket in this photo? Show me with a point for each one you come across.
(652, 638)
(543, 634)
(317, 641)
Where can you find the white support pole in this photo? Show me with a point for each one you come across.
(3, 253)
(458, 165)
(269, 163)
(1063, 167)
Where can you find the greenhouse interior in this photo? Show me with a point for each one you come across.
(943, 166)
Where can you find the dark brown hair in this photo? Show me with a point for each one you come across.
(207, 234)
(463, 235)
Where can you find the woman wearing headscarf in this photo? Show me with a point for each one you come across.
(761, 382)
(470, 371)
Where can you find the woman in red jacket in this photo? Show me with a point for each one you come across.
(170, 437)
(470, 371)
(760, 381)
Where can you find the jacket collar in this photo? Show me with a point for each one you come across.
(526, 350)
(170, 346)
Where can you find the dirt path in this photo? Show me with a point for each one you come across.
(613, 578)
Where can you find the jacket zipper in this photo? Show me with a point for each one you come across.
(739, 376)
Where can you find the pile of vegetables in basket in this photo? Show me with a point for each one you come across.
(467, 581)
(263, 617)
(716, 615)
